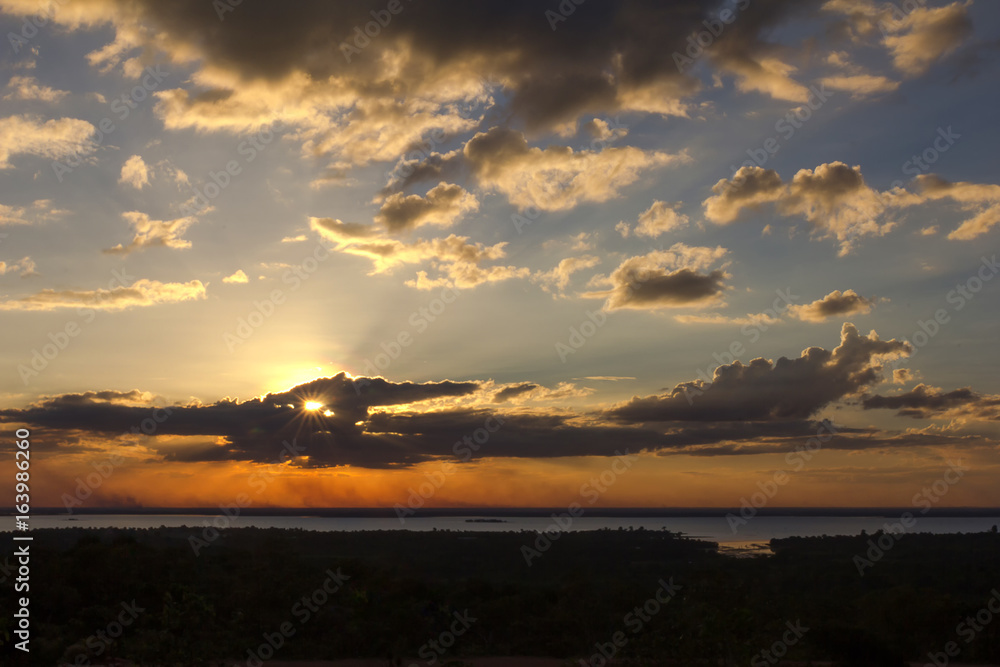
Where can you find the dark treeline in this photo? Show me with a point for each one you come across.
(146, 596)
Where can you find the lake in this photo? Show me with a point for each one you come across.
(714, 528)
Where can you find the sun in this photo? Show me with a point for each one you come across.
(313, 406)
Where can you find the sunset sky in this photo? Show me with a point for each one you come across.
(689, 231)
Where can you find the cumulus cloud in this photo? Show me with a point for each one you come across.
(749, 188)
(772, 390)
(902, 376)
(557, 279)
(664, 279)
(153, 233)
(834, 304)
(833, 197)
(838, 203)
(658, 219)
(557, 177)
(444, 204)
(52, 139)
(600, 130)
(237, 278)
(28, 88)
(140, 293)
(135, 172)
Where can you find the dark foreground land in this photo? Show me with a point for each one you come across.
(646, 597)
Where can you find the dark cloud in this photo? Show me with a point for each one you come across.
(664, 279)
(764, 407)
(766, 390)
(681, 287)
(443, 204)
(435, 65)
(836, 303)
(433, 167)
(508, 393)
(924, 402)
(833, 197)
(350, 430)
(255, 430)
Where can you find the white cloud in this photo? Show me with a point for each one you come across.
(557, 177)
(52, 139)
(237, 278)
(28, 88)
(153, 233)
(135, 172)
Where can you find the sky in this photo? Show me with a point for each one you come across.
(408, 252)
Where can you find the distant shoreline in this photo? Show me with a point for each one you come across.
(619, 512)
